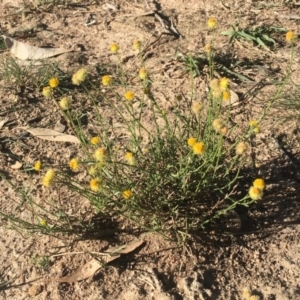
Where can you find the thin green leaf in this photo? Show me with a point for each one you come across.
(267, 38)
(260, 42)
(246, 36)
(228, 32)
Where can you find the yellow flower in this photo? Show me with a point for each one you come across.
(129, 95)
(196, 107)
(241, 147)
(223, 130)
(93, 170)
(49, 177)
(208, 49)
(212, 23)
(38, 165)
(100, 154)
(106, 80)
(65, 103)
(114, 48)
(47, 91)
(291, 37)
(254, 126)
(254, 297)
(215, 86)
(95, 140)
(127, 194)
(259, 183)
(143, 73)
(217, 124)
(246, 294)
(224, 83)
(54, 82)
(226, 96)
(130, 158)
(74, 164)
(43, 223)
(199, 148)
(79, 76)
(95, 185)
(255, 193)
(137, 45)
(191, 141)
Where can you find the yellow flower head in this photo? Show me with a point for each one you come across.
(208, 49)
(80, 76)
(47, 91)
(54, 82)
(255, 193)
(114, 48)
(199, 148)
(224, 130)
(38, 165)
(49, 177)
(65, 103)
(137, 45)
(241, 147)
(254, 126)
(254, 297)
(95, 185)
(224, 83)
(215, 86)
(212, 23)
(196, 107)
(259, 183)
(74, 164)
(191, 141)
(43, 223)
(225, 95)
(95, 140)
(129, 95)
(127, 194)
(106, 80)
(291, 37)
(100, 154)
(143, 73)
(130, 158)
(217, 125)
(246, 294)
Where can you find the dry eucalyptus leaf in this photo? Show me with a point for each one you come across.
(2, 122)
(59, 127)
(24, 51)
(52, 135)
(125, 248)
(234, 98)
(16, 166)
(87, 270)
(91, 267)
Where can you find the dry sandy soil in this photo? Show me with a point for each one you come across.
(263, 255)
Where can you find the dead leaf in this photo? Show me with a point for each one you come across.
(125, 249)
(59, 127)
(234, 98)
(25, 51)
(16, 166)
(52, 135)
(91, 267)
(2, 122)
(87, 270)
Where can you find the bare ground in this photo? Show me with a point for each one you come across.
(263, 255)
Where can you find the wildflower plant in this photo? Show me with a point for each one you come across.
(174, 174)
